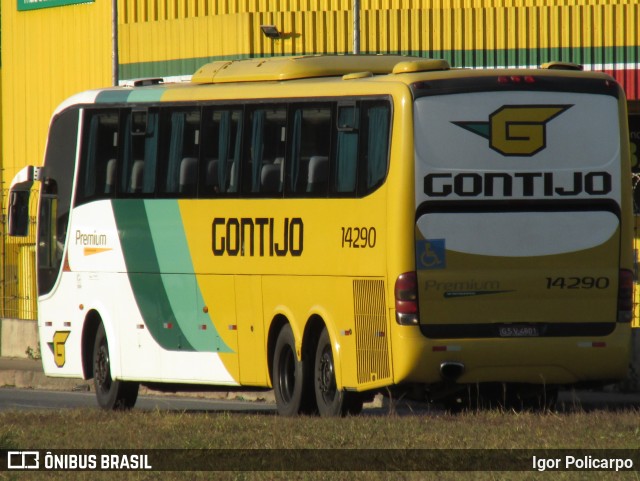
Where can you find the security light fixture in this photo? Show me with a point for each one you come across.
(270, 31)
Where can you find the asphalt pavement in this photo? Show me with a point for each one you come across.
(29, 374)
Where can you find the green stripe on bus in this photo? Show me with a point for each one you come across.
(144, 275)
(112, 96)
(125, 95)
(174, 261)
(146, 95)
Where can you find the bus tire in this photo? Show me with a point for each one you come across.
(111, 395)
(287, 374)
(330, 400)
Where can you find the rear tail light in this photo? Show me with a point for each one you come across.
(516, 79)
(406, 294)
(625, 296)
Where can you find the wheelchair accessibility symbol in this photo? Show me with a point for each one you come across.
(430, 254)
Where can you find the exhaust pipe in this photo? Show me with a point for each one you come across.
(450, 371)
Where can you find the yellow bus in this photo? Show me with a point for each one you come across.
(334, 226)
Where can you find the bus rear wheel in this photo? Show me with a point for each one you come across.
(331, 401)
(287, 374)
(111, 395)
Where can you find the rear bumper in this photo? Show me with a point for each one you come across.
(541, 360)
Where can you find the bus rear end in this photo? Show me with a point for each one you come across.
(522, 229)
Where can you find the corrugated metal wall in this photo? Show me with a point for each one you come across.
(47, 55)
(161, 37)
(596, 35)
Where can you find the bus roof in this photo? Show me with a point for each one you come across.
(407, 70)
(292, 68)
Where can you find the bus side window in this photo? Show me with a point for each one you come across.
(263, 169)
(308, 161)
(345, 167)
(375, 131)
(180, 165)
(140, 153)
(55, 197)
(220, 146)
(99, 155)
(362, 148)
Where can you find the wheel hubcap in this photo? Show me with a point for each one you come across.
(327, 382)
(102, 374)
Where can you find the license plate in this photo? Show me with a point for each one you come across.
(518, 331)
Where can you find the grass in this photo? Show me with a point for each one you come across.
(94, 429)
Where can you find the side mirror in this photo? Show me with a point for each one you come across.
(19, 200)
(19, 213)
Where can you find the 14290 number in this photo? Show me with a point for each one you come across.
(586, 282)
(359, 237)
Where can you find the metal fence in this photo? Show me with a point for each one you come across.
(18, 283)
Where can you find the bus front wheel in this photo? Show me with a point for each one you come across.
(110, 394)
(331, 401)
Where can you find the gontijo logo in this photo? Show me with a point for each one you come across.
(57, 347)
(516, 129)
